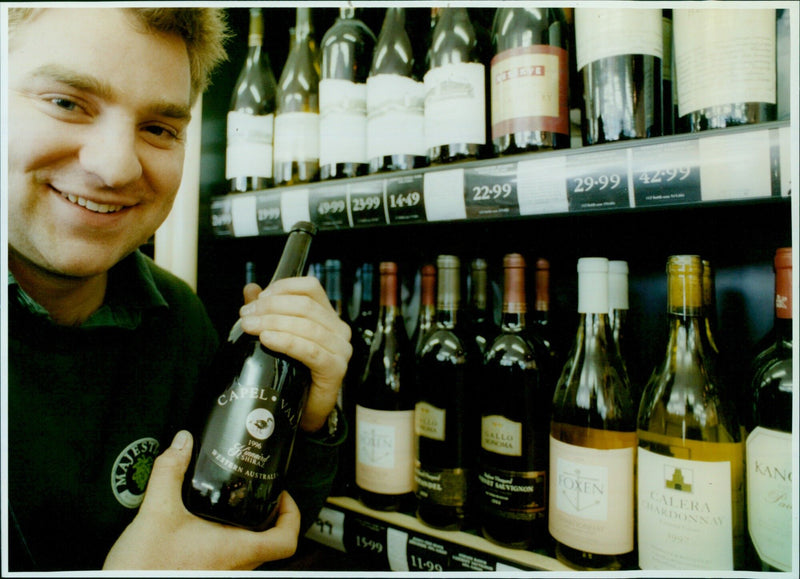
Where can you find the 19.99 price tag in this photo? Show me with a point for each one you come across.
(328, 207)
(598, 181)
(268, 214)
(491, 191)
(405, 202)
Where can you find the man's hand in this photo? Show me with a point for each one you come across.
(294, 316)
(164, 535)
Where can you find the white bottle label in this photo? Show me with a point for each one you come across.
(603, 32)
(248, 151)
(685, 513)
(395, 119)
(591, 497)
(342, 122)
(296, 137)
(455, 104)
(385, 450)
(724, 57)
(501, 435)
(429, 421)
(769, 495)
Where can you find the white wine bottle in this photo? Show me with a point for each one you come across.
(346, 59)
(239, 464)
(690, 460)
(395, 101)
(593, 439)
(296, 154)
(251, 117)
(455, 90)
(725, 66)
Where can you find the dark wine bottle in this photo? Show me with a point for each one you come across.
(480, 320)
(395, 101)
(251, 116)
(529, 80)
(445, 420)
(385, 407)
(769, 444)
(346, 59)
(542, 327)
(515, 426)
(619, 54)
(725, 66)
(240, 461)
(427, 306)
(455, 90)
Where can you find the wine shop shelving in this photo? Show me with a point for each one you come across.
(735, 164)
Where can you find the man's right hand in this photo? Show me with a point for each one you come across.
(165, 535)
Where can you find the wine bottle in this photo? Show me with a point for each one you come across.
(668, 103)
(618, 304)
(480, 321)
(346, 59)
(251, 115)
(333, 285)
(395, 101)
(296, 156)
(529, 80)
(445, 426)
(455, 93)
(385, 408)
(690, 459)
(784, 59)
(710, 307)
(593, 439)
(366, 319)
(725, 66)
(619, 53)
(427, 306)
(769, 444)
(239, 465)
(515, 415)
(542, 328)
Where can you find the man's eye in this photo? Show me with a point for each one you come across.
(160, 131)
(65, 104)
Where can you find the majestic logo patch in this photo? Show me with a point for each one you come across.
(131, 471)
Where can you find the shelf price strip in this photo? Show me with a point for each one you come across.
(668, 173)
(491, 191)
(328, 208)
(405, 201)
(268, 214)
(598, 180)
(365, 204)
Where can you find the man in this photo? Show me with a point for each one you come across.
(106, 350)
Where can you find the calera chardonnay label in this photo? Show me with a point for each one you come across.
(769, 495)
(685, 512)
(501, 435)
(239, 435)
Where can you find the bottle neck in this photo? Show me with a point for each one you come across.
(302, 27)
(255, 36)
(448, 297)
(294, 258)
(514, 303)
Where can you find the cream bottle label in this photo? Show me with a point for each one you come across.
(501, 435)
(248, 151)
(342, 122)
(385, 450)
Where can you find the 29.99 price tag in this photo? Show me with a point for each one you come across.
(491, 191)
(598, 181)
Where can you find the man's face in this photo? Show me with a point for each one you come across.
(98, 111)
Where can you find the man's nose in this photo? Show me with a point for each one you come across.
(110, 153)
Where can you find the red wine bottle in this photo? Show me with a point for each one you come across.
(240, 461)
(427, 306)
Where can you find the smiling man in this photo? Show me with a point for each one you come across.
(106, 350)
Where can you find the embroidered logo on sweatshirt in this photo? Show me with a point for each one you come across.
(131, 471)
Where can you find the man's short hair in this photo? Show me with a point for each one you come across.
(204, 30)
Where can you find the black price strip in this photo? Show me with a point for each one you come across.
(268, 214)
(491, 191)
(427, 554)
(221, 218)
(405, 202)
(366, 538)
(598, 181)
(666, 174)
(365, 201)
(328, 207)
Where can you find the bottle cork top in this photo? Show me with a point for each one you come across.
(685, 288)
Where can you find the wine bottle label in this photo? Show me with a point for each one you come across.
(446, 487)
(769, 495)
(385, 450)
(687, 509)
(501, 435)
(529, 90)
(342, 122)
(248, 151)
(395, 119)
(517, 495)
(601, 33)
(591, 496)
(455, 104)
(429, 421)
(724, 57)
(296, 137)
(239, 436)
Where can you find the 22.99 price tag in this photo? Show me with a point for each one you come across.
(491, 191)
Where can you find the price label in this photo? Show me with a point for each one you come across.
(221, 219)
(328, 207)
(598, 181)
(470, 560)
(425, 554)
(366, 204)
(268, 214)
(491, 191)
(243, 215)
(366, 539)
(328, 529)
(666, 174)
(405, 202)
